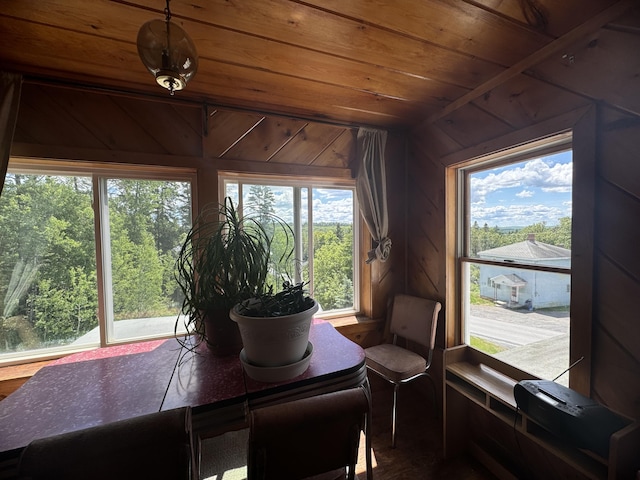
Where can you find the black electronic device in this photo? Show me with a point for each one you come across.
(569, 415)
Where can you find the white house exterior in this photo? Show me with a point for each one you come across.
(518, 288)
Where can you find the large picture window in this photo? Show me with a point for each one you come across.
(322, 217)
(87, 255)
(514, 254)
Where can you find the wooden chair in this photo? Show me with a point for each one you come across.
(156, 445)
(414, 319)
(314, 437)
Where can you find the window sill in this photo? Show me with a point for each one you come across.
(362, 330)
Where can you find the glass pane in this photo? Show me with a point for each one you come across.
(332, 281)
(519, 316)
(48, 290)
(262, 202)
(522, 212)
(333, 248)
(148, 221)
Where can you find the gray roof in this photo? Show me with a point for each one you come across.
(511, 280)
(527, 250)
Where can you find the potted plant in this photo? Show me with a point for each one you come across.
(224, 260)
(275, 326)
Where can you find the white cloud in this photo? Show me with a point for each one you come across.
(525, 194)
(516, 215)
(534, 174)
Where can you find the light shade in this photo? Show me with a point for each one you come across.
(168, 53)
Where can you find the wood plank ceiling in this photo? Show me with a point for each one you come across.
(392, 64)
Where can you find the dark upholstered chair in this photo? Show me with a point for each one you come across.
(155, 446)
(414, 319)
(316, 437)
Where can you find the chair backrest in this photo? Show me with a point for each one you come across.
(156, 445)
(306, 437)
(415, 319)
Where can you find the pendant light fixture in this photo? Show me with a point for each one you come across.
(167, 52)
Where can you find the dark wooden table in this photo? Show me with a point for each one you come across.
(120, 382)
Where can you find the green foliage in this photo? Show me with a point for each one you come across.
(47, 241)
(290, 300)
(224, 260)
(485, 346)
(474, 296)
(333, 266)
(72, 308)
(486, 238)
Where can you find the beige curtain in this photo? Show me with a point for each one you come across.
(371, 190)
(10, 86)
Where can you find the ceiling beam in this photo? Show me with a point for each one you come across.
(590, 26)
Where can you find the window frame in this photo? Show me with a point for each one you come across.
(583, 169)
(225, 176)
(99, 172)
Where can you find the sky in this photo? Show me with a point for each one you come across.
(534, 191)
(329, 205)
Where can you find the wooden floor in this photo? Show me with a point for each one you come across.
(418, 452)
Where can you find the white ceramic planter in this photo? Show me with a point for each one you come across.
(274, 341)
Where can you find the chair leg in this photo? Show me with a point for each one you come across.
(434, 395)
(367, 432)
(394, 414)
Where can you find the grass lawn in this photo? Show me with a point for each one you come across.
(485, 346)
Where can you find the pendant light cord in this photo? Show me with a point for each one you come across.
(167, 12)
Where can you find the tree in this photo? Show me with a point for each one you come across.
(333, 268)
(261, 201)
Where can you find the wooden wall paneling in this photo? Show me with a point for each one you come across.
(425, 238)
(524, 100)
(520, 137)
(266, 139)
(426, 231)
(616, 236)
(426, 224)
(123, 159)
(615, 375)
(583, 227)
(340, 153)
(604, 51)
(470, 125)
(369, 283)
(226, 128)
(41, 120)
(107, 121)
(619, 165)
(434, 143)
(615, 311)
(268, 168)
(177, 128)
(307, 144)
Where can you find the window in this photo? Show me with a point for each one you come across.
(87, 255)
(514, 256)
(321, 216)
